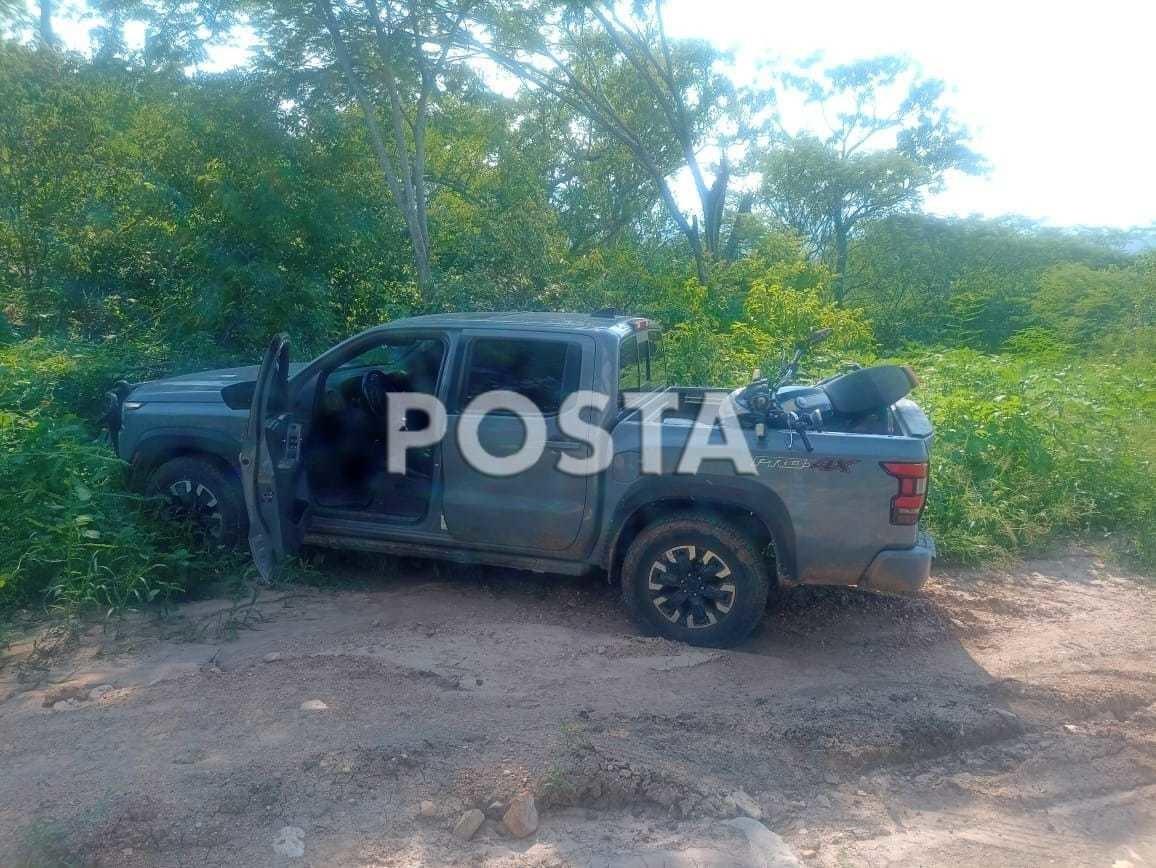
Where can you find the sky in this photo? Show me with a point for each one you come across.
(1060, 96)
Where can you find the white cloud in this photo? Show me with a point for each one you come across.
(1059, 95)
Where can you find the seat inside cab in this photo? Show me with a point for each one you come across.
(346, 447)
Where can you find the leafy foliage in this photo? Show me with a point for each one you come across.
(74, 535)
(1079, 303)
(827, 186)
(967, 282)
(1030, 447)
(783, 302)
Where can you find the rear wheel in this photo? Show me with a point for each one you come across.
(203, 493)
(697, 580)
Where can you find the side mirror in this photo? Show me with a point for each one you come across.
(817, 337)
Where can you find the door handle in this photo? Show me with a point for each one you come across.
(566, 446)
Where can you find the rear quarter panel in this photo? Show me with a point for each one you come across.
(835, 500)
(839, 499)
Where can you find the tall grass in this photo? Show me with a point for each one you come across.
(73, 535)
(1031, 448)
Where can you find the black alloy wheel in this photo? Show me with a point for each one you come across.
(205, 493)
(691, 586)
(696, 579)
(192, 501)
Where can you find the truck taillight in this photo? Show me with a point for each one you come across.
(908, 503)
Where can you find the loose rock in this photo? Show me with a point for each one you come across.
(746, 805)
(495, 809)
(290, 841)
(313, 705)
(469, 823)
(427, 809)
(72, 693)
(272, 657)
(767, 849)
(521, 817)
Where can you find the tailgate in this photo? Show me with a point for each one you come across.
(912, 421)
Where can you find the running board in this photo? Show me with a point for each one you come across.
(460, 556)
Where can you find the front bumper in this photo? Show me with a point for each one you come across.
(900, 571)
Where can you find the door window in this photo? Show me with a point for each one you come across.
(413, 362)
(546, 372)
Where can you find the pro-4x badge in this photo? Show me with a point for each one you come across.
(841, 464)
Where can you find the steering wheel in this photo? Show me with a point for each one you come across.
(374, 388)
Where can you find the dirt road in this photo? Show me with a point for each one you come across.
(1006, 718)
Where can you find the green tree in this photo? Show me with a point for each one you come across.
(144, 201)
(392, 59)
(661, 100)
(1080, 303)
(906, 271)
(601, 193)
(890, 140)
(759, 309)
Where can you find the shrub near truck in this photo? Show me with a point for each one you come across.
(832, 492)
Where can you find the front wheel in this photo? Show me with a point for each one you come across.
(205, 494)
(696, 580)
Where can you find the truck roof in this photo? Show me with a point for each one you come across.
(523, 321)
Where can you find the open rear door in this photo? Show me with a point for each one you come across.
(270, 457)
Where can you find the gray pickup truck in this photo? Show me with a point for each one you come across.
(830, 492)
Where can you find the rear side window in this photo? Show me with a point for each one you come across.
(546, 372)
(654, 374)
(629, 378)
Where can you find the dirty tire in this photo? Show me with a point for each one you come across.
(208, 490)
(726, 588)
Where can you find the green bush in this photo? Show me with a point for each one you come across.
(1029, 445)
(781, 305)
(1029, 448)
(74, 536)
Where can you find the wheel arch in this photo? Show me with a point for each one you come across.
(157, 450)
(753, 508)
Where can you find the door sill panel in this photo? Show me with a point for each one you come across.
(461, 556)
(345, 514)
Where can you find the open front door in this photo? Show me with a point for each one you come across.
(270, 458)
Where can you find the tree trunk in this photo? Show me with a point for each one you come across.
(746, 203)
(422, 271)
(841, 242)
(46, 33)
(404, 174)
(696, 248)
(712, 208)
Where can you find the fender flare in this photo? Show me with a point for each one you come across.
(158, 446)
(702, 492)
